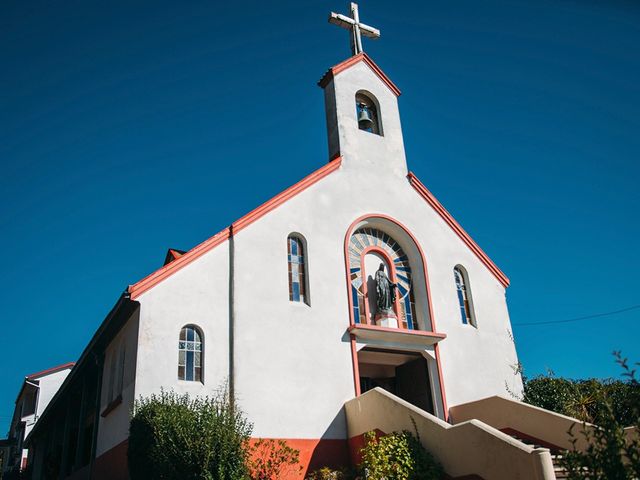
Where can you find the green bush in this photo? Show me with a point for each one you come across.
(583, 399)
(177, 437)
(610, 453)
(397, 456)
(326, 473)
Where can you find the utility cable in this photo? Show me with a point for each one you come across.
(577, 319)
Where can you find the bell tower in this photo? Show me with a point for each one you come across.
(361, 103)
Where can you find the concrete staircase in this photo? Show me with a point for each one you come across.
(468, 449)
(556, 454)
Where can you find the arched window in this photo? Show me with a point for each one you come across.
(367, 114)
(190, 354)
(368, 248)
(298, 291)
(464, 296)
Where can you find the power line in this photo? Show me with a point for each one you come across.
(577, 319)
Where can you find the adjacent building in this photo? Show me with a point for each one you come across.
(36, 392)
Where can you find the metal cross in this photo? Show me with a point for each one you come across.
(357, 29)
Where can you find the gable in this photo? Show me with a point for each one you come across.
(185, 259)
(364, 58)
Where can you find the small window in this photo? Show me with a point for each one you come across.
(112, 377)
(464, 296)
(367, 114)
(29, 403)
(297, 270)
(190, 354)
(116, 373)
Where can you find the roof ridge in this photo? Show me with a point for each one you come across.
(48, 371)
(360, 57)
(424, 192)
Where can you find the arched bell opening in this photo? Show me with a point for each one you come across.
(368, 113)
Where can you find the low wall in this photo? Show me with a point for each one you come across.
(548, 428)
(469, 448)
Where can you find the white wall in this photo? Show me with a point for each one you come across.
(114, 427)
(198, 295)
(293, 361)
(48, 387)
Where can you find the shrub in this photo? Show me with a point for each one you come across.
(326, 473)
(583, 399)
(174, 436)
(610, 454)
(397, 456)
(271, 460)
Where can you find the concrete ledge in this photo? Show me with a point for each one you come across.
(364, 333)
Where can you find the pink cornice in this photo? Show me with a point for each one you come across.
(455, 226)
(159, 275)
(361, 57)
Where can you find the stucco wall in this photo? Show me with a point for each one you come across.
(293, 369)
(113, 427)
(196, 295)
(48, 386)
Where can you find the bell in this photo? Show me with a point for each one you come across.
(364, 118)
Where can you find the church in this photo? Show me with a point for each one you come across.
(379, 310)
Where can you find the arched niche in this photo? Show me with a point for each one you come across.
(368, 112)
(379, 237)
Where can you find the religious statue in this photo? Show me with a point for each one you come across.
(385, 292)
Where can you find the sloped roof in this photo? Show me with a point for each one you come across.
(49, 371)
(185, 258)
(34, 377)
(170, 268)
(173, 254)
(349, 62)
(457, 228)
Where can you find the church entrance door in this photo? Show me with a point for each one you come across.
(404, 374)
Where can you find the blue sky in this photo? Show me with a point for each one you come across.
(130, 127)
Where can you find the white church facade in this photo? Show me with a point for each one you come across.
(354, 278)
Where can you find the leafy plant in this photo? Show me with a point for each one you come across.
(175, 436)
(397, 456)
(582, 399)
(610, 453)
(326, 473)
(272, 460)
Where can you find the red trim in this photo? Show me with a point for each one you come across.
(356, 366)
(349, 62)
(464, 236)
(347, 265)
(314, 454)
(436, 351)
(357, 443)
(159, 275)
(112, 464)
(51, 370)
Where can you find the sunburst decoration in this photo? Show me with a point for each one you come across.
(360, 240)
